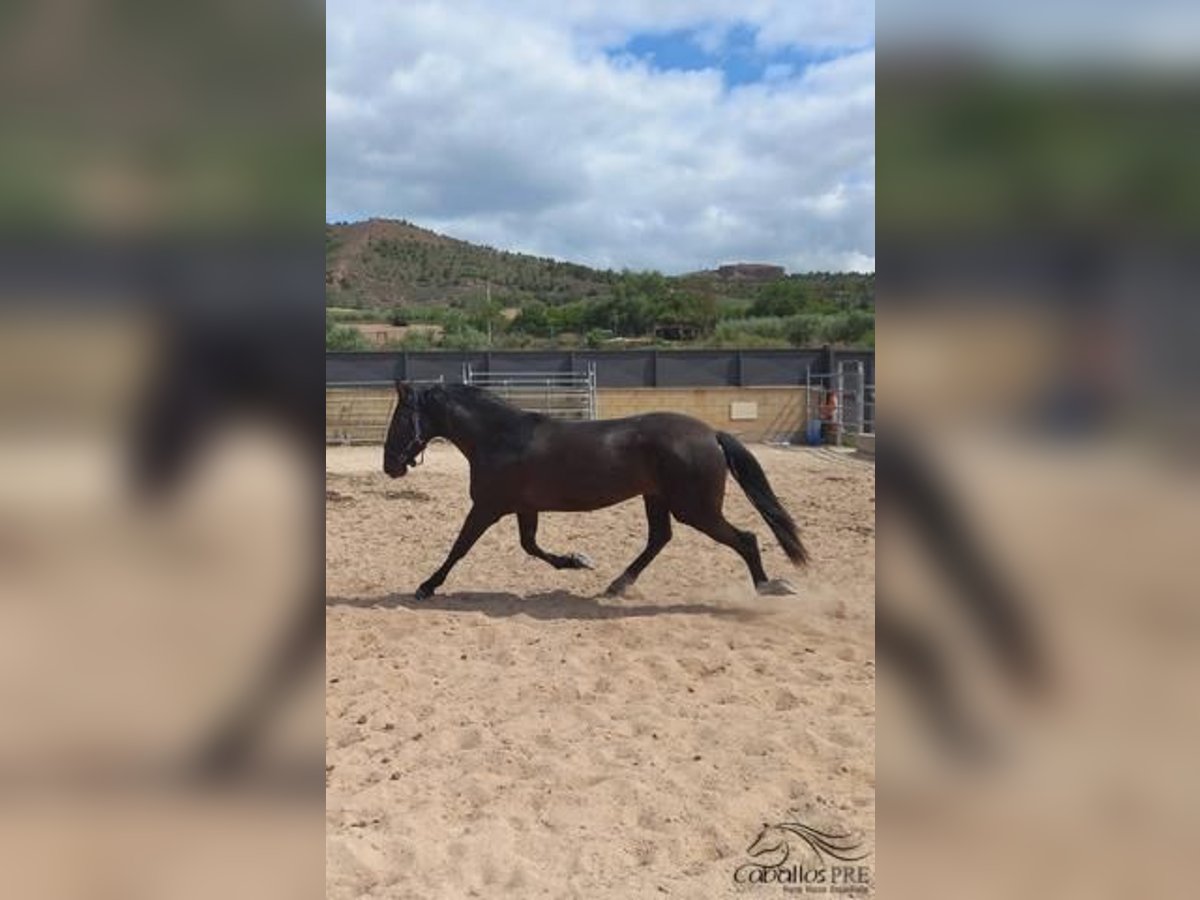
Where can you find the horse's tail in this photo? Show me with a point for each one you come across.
(753, 480)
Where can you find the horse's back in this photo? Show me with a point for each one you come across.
(674, 449)
(587, 465)
(654, 427)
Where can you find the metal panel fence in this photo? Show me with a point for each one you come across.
(359, 412)
(562, 395)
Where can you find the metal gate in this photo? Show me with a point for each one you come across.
(841, 402)
(563, 395)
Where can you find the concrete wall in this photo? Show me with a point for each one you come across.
(754, 414)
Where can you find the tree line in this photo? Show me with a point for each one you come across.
(642, 307)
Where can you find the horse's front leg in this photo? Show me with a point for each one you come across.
(479, 520)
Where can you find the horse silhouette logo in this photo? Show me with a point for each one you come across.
(772, 848)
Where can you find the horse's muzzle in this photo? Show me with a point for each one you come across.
(395, 469)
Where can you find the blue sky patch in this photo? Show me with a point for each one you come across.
(737, 57)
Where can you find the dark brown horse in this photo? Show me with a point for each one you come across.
(526, 463)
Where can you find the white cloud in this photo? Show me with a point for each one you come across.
(505, 123)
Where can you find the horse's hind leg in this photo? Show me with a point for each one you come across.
(918, 659)
(659, 518)
(745, 543)
(527, 522)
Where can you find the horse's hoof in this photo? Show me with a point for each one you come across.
(776, 587)
(582, 561)
(617, 589)
(423, 593)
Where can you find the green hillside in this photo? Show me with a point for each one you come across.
(384, 264)
(439, 291)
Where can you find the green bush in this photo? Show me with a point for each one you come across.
(343, 337)
(856, 328)
(532, 320)
(464, 338)
(802, 331)
(351, 314)
(849, 328)
(596, 337)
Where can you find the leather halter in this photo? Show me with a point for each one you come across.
(415, 447)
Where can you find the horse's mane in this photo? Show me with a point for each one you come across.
(479, 399)
(839, 846)
(500, 418)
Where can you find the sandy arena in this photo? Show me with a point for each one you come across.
(519, 735)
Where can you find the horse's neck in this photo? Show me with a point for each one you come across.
(462, 430)
(470, 432)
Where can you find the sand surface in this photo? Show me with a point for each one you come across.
(519, 735)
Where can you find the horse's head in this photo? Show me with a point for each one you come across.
(772, 839)
(408, 432)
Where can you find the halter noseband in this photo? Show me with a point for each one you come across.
(415, 447)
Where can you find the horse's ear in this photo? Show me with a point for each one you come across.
(403, 391)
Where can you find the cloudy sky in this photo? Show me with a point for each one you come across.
(667, 134)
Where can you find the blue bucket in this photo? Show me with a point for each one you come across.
(812, 432)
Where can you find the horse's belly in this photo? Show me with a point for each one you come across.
(575, 500)
(594, 491)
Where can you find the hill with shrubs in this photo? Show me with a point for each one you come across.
(435, 291)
